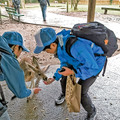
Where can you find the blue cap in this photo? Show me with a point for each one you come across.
(14, 38)
(44, 37)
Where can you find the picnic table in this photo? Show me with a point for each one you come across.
(109, 8)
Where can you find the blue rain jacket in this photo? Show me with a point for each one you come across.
(11, 72)
(85, 63)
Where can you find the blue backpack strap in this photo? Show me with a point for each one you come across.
(69, 43)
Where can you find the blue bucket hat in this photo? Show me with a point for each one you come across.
(14, 38)
(44, 37)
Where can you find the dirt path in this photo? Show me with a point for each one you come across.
(28, 31)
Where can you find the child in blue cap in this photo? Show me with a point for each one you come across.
(82, 62)
(12, 43)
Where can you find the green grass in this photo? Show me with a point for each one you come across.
(32, 7)
(81, 8)
(84, 8)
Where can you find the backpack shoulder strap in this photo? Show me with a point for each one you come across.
(69, 43)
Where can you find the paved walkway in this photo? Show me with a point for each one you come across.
(105, 94)
(35, 16)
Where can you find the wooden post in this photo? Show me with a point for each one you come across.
(0, 16)
(91, 10)
(67, 5)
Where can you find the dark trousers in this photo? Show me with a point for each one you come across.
(85, 99)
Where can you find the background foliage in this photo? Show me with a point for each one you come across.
(59, 1)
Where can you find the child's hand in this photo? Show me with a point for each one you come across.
(36, 90)
(66, 71)
(49, 81)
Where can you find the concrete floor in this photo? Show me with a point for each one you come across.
(104, 94)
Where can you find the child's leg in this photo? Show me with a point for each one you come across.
(85, 99)
(63, 84)
(61, 98)
(44, 8)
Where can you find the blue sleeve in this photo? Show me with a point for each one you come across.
(62, 63)
(56, 74)
(14, 77)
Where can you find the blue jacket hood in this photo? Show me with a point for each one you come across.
(13, 74)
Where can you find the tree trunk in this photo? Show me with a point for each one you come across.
(22, 3)
(67, 5)
(72, 3)
(75, 7)
(76, 4)
(9, 3)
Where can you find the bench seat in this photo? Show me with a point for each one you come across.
(12, 12)
(108, 8)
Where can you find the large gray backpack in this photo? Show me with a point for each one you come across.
(99, 34)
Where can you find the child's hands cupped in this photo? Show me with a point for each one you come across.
(49, 81)
(66, 71)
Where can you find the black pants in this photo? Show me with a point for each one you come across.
(85, 99)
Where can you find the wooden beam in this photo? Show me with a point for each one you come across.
(91, 10)
(67, 5)
(0, 16)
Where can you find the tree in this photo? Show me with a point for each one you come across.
(74, 3)
(9, 3)
(23, 3)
